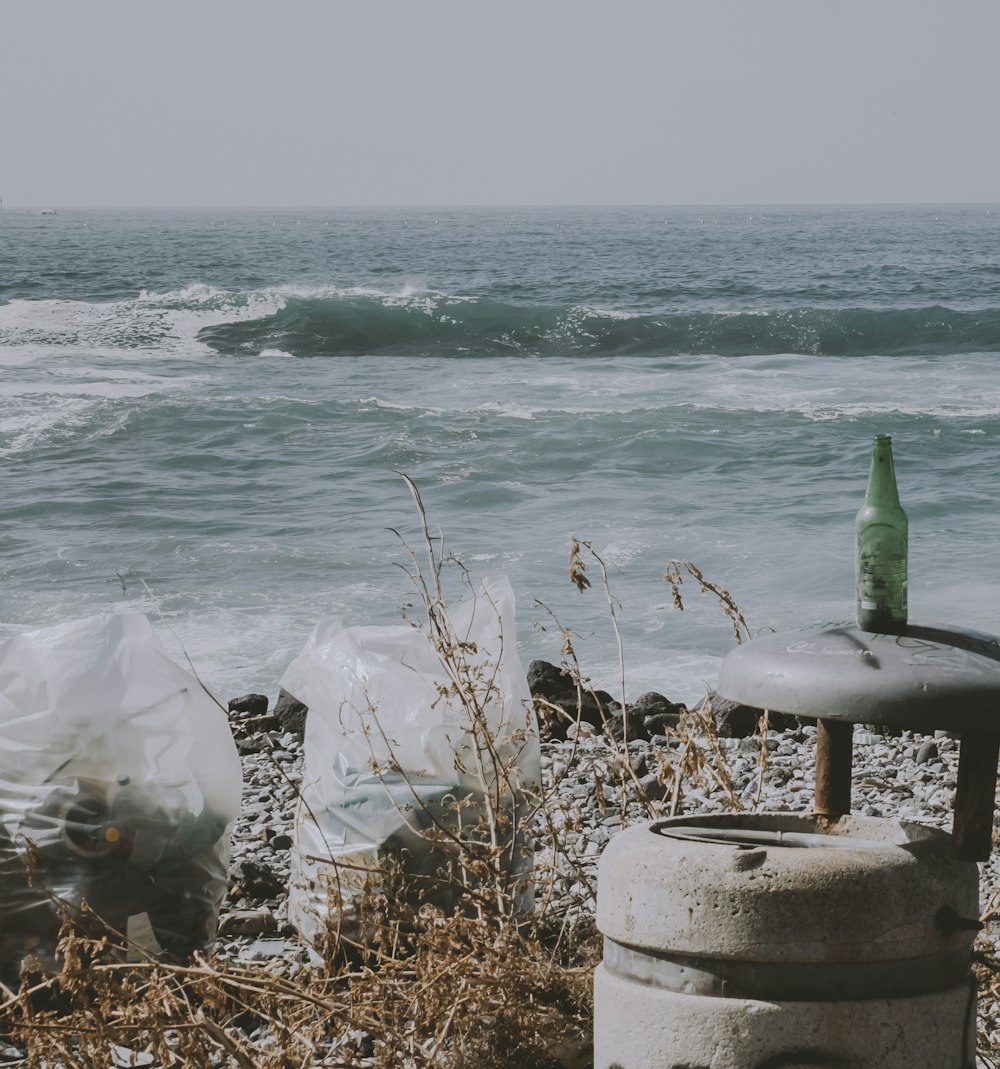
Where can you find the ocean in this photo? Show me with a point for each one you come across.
(207, 415)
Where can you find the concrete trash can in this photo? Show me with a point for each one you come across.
(780, 941)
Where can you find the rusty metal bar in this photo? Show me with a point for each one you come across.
(975, 792)
(834, 754)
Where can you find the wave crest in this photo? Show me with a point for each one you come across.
(355, 324)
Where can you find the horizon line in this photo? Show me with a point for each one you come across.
(47, 205)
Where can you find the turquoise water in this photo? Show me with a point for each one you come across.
(203, 415)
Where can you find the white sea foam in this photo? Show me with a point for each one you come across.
(510, 410)
(253, 495)
(157, 324)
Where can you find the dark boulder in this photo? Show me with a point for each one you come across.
(249, 705)
(558, 702)
(650, 714)
(657, 712)
(634, 721)
(249, 720)
(258, 882)
(290, 713)
(734, 720)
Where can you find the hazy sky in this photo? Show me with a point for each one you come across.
(371, 102)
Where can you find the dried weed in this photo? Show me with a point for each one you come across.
(475, 984)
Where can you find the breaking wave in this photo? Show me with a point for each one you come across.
(365, 324)
(285, 321)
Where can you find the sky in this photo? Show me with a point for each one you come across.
(121, 103)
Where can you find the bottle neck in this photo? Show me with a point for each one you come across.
(882, 477)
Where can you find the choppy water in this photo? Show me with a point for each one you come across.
(203, 416)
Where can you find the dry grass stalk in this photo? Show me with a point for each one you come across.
(478, 985)
(446, 969)
(694, 756)
(674, 577)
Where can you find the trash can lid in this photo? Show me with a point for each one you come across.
(787, 887)
(927, 677)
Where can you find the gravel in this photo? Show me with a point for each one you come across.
(909, 777)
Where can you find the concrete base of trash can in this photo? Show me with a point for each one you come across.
(641, 1027)
(781, 941)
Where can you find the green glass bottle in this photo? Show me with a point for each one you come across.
(882, 548)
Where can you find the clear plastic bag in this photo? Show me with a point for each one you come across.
(119, 786)
(394, 758)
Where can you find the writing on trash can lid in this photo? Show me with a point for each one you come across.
(816, 650)
(945, 653)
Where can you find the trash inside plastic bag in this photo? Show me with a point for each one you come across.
(119, 785)
(396, 764)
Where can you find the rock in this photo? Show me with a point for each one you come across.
(632, 719)
(736, 721)
(281, 841)
(649, 715)
(126, 1057)
(546, 679)
(265, 950)
(291, 713)
(732, 720)
(558, 703)
(247, 922)
(653, 789)
(249, 704)
(784, 722)
(657, 712)
(259, 882)
(928, 752)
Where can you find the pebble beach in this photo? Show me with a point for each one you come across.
(908, 777)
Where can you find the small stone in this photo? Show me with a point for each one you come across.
(281, 841)
(928, 752)
(124, 1057)
(653, 789)
(264, 949)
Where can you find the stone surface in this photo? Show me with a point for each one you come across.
(757, 942)
(639, 1026)
(248, 922)
(657, 712)
(888, 781)
(870, 891)
(732, 719)
(559, 703)
(927, 752)
(291, 713)
(259, 882)
(249, 704)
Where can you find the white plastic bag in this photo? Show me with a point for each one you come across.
(388, 756)
(119, 785)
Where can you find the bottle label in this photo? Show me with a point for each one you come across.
(882, 587)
